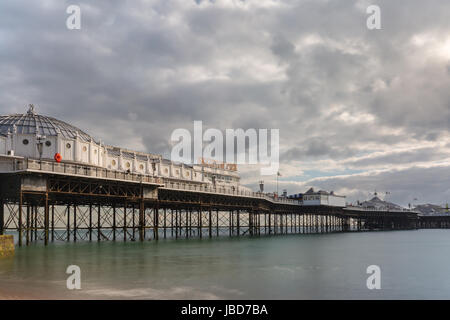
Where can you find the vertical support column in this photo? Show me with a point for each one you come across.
(270, 222)
(133, 222)
(217, 222)
(287, 223)
(75, 223)
(68, 223)
(265, 222)
(141, 220)
(210, 223)
(188, 224)
(98, 222)
(230, 223)
(114, 222)
(275, 223)
(292, 224)
(238, 223)
(316, 223)
(2, 216)
(165, 223)
(171, 223)
(46, 219)
(281, 222)
(250, 221)
(200, 222)
(27, 231)
(176, 223)
(125, 221)
(32, 223)
(20, 216)
(259, 223)
(53, 222)
(36, 212)
(305, 223)
(156, 221)
(90, 221)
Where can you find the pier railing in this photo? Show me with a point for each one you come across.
(351, 208)
(21, 164)
(186, 186)
(83, 170)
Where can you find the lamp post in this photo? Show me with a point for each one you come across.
(278, 174)
(40, 146)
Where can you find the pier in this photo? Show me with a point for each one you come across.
(46, 201)
(58, 183)
(434, 222)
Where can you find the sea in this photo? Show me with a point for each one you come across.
(412, 265)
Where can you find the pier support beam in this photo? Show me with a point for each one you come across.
(68, 223)
(2, 217)
(90, 222)
(125, 221)
(99, 225)
(20, 217)
(156, 222)
(200, 222)
(141, 220)
(27, 221)
(210, 223)
(114, 222)
(46, 219)
(74, 223)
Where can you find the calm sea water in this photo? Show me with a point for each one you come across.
(414, 265)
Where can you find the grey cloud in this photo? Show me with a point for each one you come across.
(404, 157)
(136, 57)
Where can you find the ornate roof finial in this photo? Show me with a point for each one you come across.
(31, 109)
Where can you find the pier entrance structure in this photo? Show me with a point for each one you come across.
(99, 192)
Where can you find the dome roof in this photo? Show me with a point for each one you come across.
(32, 123)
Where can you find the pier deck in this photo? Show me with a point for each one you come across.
(46, 201)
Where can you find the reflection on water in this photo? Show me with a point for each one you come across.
(414, 265)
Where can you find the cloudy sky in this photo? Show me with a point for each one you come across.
(358, 110)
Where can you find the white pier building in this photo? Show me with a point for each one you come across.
(39, 138)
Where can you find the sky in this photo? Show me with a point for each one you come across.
(358, 110)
